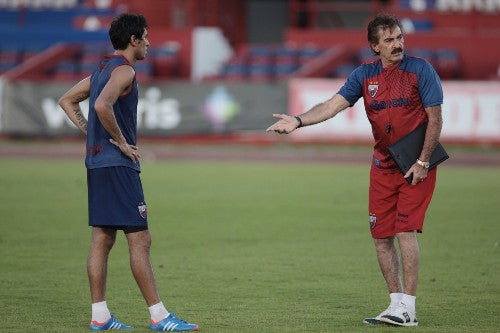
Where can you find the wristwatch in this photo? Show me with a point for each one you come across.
(423, 164)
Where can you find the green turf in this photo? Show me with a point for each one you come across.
(243, 247)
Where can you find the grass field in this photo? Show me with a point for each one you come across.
(247, 247)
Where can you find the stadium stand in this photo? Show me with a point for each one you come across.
(448, 33)
(319, 41)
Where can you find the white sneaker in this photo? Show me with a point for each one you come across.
(400, 316)
(376, 320)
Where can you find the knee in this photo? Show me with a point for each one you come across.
(140, 240)
(104, 241)
(107, 245)
(384, 244)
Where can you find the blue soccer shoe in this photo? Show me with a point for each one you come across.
(172, 324)
(111, 324)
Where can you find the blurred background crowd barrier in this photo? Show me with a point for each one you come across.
(224, 66)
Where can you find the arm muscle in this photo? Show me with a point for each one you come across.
(70, 103)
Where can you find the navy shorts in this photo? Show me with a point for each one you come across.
(116, 199)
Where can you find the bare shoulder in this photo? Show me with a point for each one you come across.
(123, 72)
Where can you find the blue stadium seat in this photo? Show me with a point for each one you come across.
(67, 70)
(423, 53)
(286, 54)
(416, 5)
(33, 48)
(7, 65)
(87, 67)
(260, 72)
(144, 71)
(284, 70)
(447, 63)
(309, 52)
(234, 71)
(260, 55)
(10, 53)
(365, 55)
(343, 70)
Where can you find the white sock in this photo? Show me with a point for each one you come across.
(395, 299)
(100, 312)
(158, 312)
(409, 302)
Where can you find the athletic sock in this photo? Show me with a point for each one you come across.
(100, 312)
(158, 312)
(395, 299)
(409, 302)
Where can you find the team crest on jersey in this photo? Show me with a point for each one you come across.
(373, 220)
(143, 210)
(373, 89)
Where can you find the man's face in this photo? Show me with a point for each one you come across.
(390, 46)
(143, 45)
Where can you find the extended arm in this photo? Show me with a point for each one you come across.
(321, 112)
(70, 103)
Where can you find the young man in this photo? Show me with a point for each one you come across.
(115, 195)
(400, 93)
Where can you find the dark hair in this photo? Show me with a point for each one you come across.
(125, 26)
(381, 21)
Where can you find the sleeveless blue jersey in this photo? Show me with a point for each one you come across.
(395, 99)
(100, 152)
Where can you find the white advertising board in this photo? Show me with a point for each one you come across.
(471, 112)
